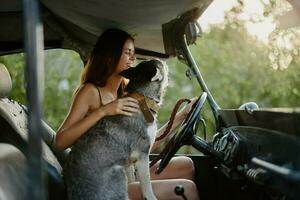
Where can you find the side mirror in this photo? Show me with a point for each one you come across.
(249, 107)
(193, 30)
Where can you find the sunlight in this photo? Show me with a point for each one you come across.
(256, 23)
(277, 30)
(214, 14)
(261, 30)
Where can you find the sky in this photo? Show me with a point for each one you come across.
(253, 8)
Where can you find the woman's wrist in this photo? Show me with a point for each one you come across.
(101, 112)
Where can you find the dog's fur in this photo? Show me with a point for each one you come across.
(95, 168)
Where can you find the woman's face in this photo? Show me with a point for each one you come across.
(127, 57)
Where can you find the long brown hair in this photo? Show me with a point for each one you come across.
(104, 58)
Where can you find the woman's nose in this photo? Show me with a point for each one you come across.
(132, 57)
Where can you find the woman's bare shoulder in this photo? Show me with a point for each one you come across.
(88, 88)
(87, 92)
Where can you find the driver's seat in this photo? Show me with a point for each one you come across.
(13, 144)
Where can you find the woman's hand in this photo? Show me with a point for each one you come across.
(123, 106)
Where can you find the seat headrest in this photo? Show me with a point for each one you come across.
(5, 82)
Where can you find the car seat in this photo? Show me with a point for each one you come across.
(13, 143)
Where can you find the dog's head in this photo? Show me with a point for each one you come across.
(148, 77)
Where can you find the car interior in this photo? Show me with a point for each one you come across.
(241, 161)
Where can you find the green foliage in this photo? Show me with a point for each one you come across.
(62, 71)
(15, 66)
(236, 69)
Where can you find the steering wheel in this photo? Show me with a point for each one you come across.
(185, 133)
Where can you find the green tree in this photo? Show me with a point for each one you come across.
(62, 68)
(62, 71)
(15, 66)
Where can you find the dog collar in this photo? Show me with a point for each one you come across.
(146, 105)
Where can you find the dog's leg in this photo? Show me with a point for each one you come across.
(144, 176)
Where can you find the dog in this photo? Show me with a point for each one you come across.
(96, 166)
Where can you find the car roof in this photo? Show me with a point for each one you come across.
(76, 24)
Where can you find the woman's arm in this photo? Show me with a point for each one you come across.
(76, 122)
(79, 119)
(179, 118)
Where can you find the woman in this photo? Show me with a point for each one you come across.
(99, 96)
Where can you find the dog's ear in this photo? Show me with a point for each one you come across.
(151, 70)
(154, 72)
(157, 76)
(128, 73)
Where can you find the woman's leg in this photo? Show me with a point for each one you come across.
(179, 171)
(164, 189)
(180, 167)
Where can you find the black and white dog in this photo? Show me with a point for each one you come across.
(95, 168)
